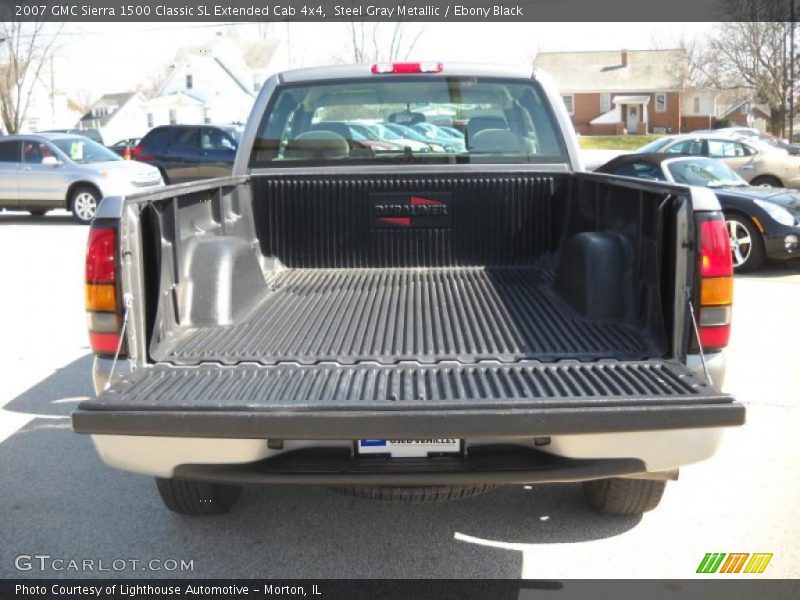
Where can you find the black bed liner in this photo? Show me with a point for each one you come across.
(394, 315)
(407, 401)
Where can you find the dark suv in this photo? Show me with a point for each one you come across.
(188, 152)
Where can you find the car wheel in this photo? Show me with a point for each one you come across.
(618, 496)
(83, 204)
(747, 246)
(767, 180)
(39, 212)
(197, 498)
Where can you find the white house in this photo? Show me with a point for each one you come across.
(117, 116)
(216, 81)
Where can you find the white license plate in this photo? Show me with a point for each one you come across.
(410, 448)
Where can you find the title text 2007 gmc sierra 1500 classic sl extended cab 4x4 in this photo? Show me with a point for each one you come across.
(409, 324)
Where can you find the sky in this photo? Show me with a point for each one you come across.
(114, 57)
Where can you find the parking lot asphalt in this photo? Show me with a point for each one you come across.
(58, 499)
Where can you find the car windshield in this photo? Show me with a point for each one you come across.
(85, 151)
(504, 121)
(654, 146)
(706, 172)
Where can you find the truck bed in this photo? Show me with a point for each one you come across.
(428, 315)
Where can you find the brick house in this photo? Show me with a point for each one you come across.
(638, 91)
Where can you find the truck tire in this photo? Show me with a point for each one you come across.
(197, 498)
(617, 496)
(417, 494)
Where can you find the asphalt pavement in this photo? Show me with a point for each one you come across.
(59, 500)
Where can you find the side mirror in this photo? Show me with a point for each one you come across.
(50, 161)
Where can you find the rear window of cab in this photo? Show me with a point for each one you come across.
(408, 119)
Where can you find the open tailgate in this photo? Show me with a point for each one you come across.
(484, 400)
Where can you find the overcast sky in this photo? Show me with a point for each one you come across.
(115, 57)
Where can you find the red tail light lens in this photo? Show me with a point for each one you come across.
(140, 155)
(715, 249)
(103, 306)
(716, 283)
(405, 68)
(100, 255)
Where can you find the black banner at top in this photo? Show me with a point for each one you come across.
(393, 10)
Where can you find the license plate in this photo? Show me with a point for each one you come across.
(410, 448)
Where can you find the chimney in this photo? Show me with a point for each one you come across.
(624, 58)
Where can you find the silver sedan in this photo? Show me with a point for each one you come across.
(40, 172)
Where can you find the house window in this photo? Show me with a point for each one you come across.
(256, 83)
(696, 105)
(661, 103)
(605, 103)
(745, 108)
(189, 81)
(173, 118)
(149, 120)
(206, 116)
(569, 102)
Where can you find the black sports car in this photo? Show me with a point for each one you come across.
(763, 222)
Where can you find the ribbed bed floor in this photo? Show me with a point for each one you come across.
(391, 315)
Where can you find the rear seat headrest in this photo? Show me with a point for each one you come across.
(317, 144)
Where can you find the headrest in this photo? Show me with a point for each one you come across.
(317, 144)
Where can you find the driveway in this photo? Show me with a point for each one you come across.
(58, 498)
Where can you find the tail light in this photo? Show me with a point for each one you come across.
(103, 302)
(140, 155)
(716, 283)
(405, 68)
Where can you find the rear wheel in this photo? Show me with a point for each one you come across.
(414, 493)
(83, 203)
(617, 496)
(767, 180)
(747, 245)
(197, 498)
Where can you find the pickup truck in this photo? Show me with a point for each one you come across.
(404, 324)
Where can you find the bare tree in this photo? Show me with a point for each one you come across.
(695, 51)
(751, 52)
(150, 87)
(24, 52)
(83, 99)
(374, 42)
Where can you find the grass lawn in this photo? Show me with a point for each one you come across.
(615, 142)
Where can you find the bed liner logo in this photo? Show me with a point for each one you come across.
(406, 210)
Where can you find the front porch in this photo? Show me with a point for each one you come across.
(628, 116)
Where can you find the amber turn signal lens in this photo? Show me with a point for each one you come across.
(716, 291)
(101, 297)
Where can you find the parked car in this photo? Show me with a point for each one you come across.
(754, 134)
(763, 222)
(92, 134)
(382, 132)
(40, 172)
(756, 162)
(410, 326)
(189, 152)
(437, 135)
(125, 147)
(359, 140)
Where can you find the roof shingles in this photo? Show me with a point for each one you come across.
(646, 71)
